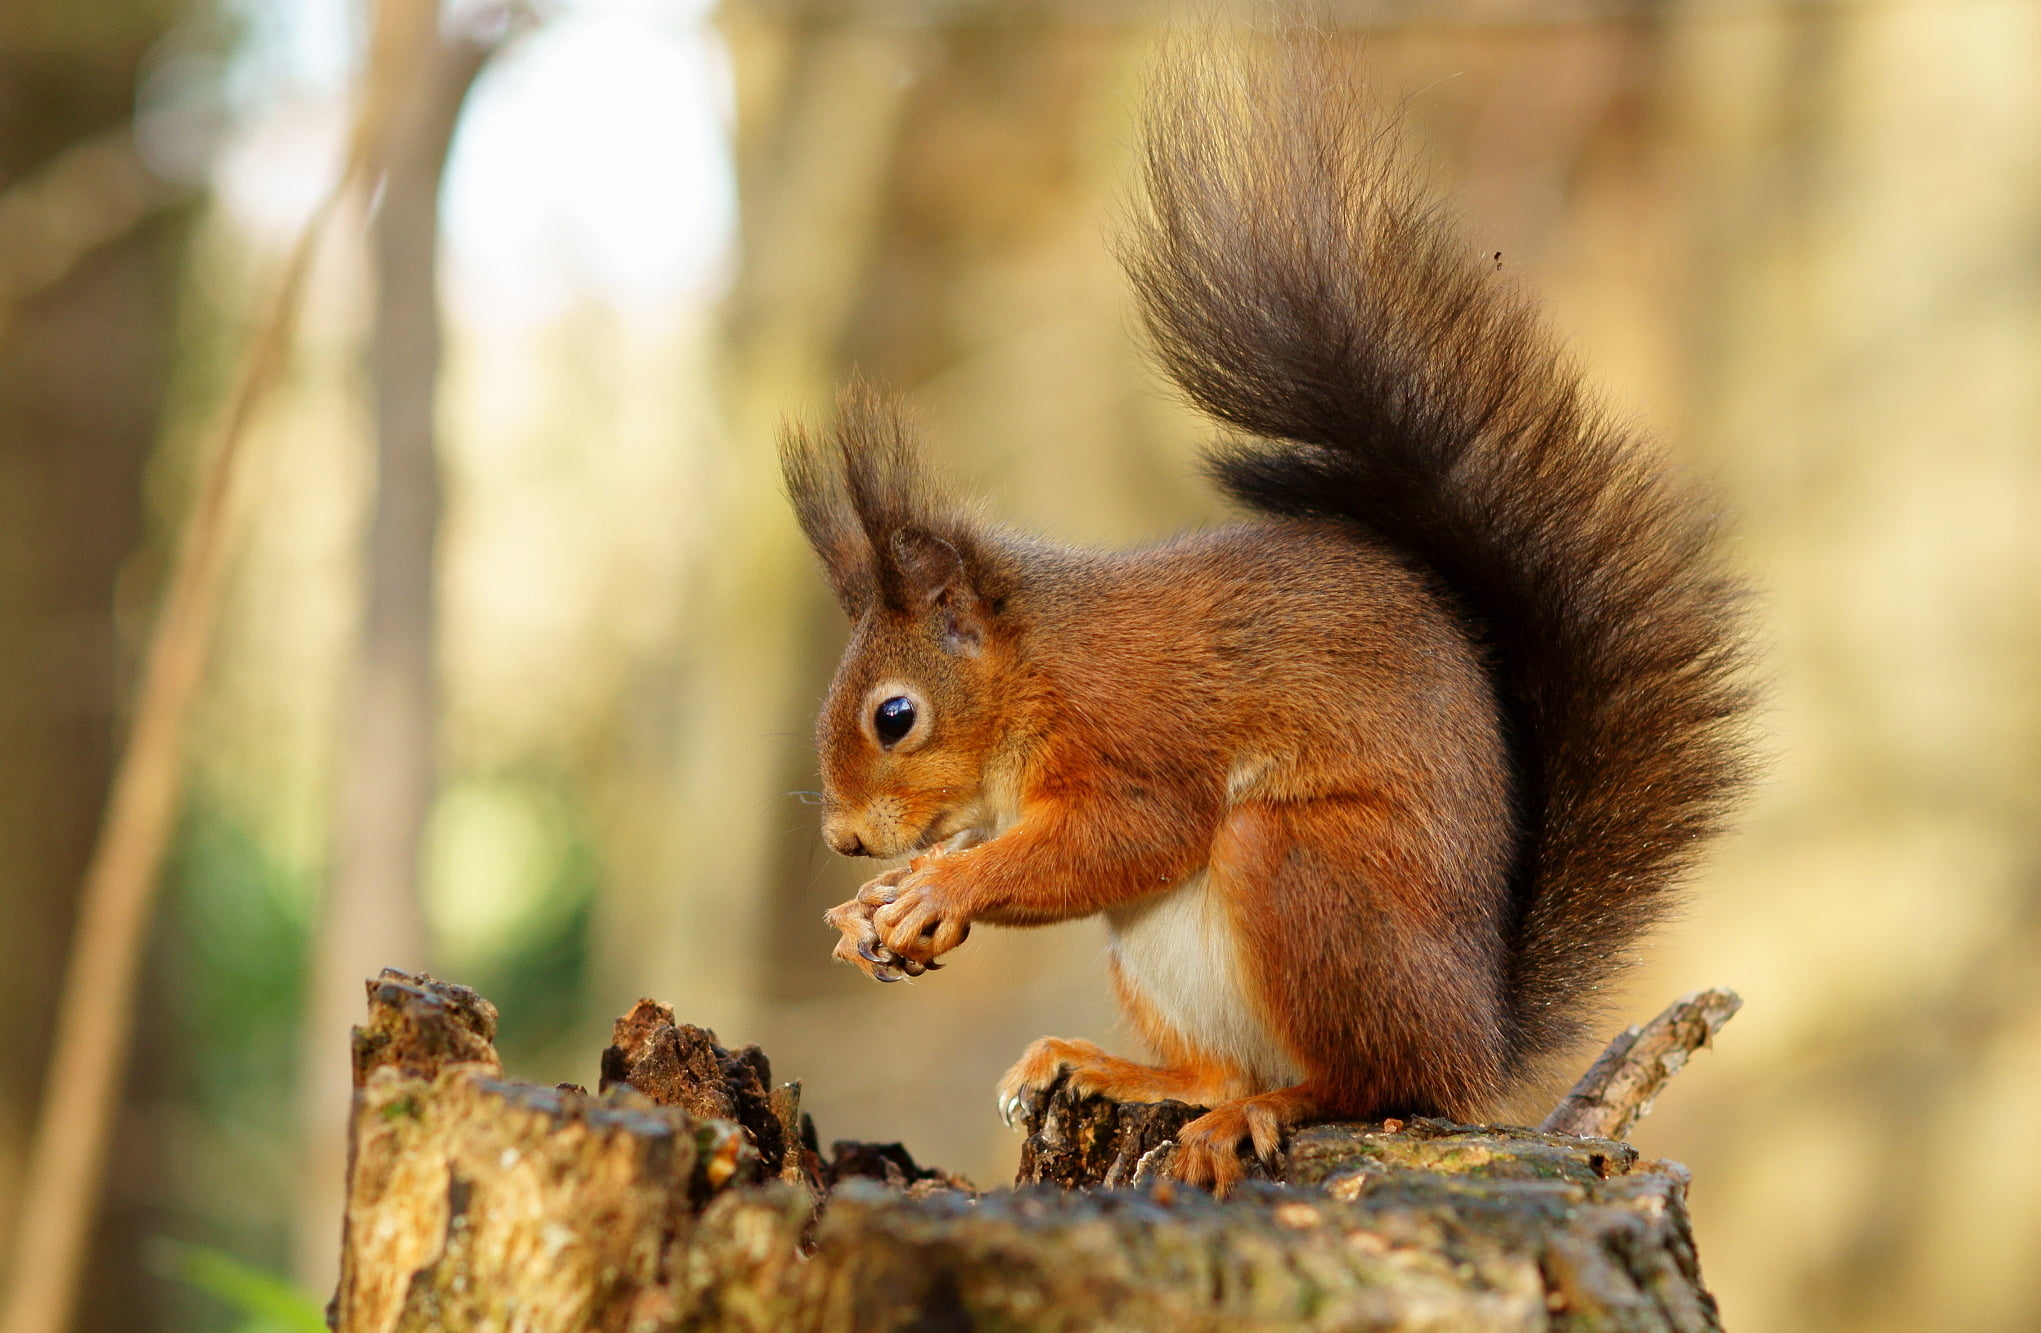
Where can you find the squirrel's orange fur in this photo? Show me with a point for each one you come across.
(1373, 791)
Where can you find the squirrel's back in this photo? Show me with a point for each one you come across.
(1301, 289)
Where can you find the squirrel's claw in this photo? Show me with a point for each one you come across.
(860, 945)
(1044, 1062)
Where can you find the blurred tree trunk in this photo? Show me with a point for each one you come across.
(374, 913)
(90, 264)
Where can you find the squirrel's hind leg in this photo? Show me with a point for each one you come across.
(1182, 1073)
(1092, 1070)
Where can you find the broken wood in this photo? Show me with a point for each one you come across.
(1620, 1086)
(688, 1193)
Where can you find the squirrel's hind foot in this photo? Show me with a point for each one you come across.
(1208, 1148)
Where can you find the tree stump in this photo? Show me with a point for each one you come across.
(689, 1193)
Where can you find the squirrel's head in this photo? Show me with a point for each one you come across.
(917, 713)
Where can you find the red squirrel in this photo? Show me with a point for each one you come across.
(1374, 790)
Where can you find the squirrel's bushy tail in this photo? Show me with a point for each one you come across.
(1300, 287)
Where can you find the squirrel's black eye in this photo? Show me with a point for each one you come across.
(893, 719)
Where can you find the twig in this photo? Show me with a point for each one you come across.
(1618, 1089)
(95, 1016)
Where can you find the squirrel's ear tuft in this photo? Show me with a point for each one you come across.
(815, 483)
(884, 532)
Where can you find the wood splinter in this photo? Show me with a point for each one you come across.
(1619, 1088)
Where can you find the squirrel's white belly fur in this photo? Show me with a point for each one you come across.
(1177, 950)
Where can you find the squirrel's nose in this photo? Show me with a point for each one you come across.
(846, 842)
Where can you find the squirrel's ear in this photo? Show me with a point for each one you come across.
(935, 576)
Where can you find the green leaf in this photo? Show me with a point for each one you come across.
(270, 1302)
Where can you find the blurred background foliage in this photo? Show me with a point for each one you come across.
(1797, 238)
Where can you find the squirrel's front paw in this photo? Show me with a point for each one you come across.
(861, 945)
(914, 918)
